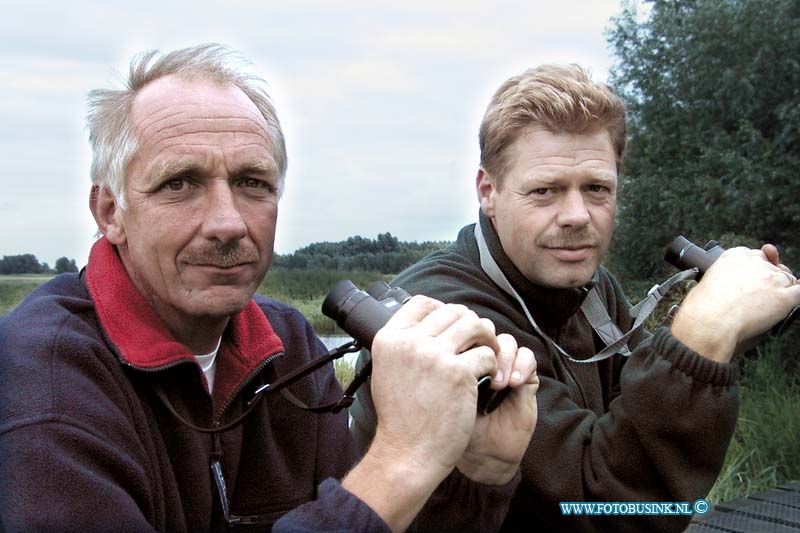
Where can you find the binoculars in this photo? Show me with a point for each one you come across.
(361, 314)
(683, 254)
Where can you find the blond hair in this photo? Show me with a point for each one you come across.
(559, 98)
(108, 120)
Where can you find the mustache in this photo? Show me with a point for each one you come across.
(582, 238)
(223, 256)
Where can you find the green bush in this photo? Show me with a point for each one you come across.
(713, 125)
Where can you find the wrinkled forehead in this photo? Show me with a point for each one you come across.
(540, 142)
(161, 100)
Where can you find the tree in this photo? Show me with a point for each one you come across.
(713, 94)
(65, 265)
(386, 254)
(21, 264)
(387, 242)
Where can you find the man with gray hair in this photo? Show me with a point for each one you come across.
(129, 392)
(650, 423)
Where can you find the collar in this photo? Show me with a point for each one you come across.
(143, 340)
(549, 307)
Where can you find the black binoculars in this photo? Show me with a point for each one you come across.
(361, 314)
(683, 254)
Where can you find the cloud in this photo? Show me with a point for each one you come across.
(380, 102)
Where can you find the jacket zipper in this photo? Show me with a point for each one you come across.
(217, 420)
(216, 456)
(572, 382)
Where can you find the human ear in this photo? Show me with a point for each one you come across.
(486, 187)
(107, 214)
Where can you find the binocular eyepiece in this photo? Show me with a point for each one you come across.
(683, 254)
(361, 314)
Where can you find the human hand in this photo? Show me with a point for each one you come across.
(499, 439)
(742, 295)
(426, 362)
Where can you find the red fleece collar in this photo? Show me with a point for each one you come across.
(144, 341)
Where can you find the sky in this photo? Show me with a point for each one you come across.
(380, 102)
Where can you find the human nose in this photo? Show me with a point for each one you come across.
(224, 221)
(573, 212)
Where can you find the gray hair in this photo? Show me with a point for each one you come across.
(108, 119)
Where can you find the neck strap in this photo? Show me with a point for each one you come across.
(592, 308)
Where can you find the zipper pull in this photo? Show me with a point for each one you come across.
(216, 472)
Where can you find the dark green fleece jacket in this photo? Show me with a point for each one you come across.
(652, 427)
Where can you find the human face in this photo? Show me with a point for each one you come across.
(196, 236)
(554, 210)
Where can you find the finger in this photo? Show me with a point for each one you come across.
(441, 319)
(524, 370)
(522, 402)
(771, 254)
(480, 360)
(414, 310)
(526, 392)
(469, 331)
(505, 360)
(786, 279)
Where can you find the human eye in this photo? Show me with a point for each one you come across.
(253, 183)
(256, 186)
(600, 191)
(542, 193)
(176, 184)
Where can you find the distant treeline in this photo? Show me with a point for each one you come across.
(28, 264)
(385, 254)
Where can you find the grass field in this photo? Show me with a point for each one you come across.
(302, 289)
(14, 288)
(306, 289)
(765, 450)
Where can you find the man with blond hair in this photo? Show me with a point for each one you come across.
(650, 423)
(129, 393)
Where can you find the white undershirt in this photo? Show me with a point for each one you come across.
(208, 363)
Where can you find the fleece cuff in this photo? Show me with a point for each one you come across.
(691, 363)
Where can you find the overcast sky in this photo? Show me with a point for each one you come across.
(380, 102)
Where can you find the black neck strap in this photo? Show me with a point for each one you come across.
(280, 385)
